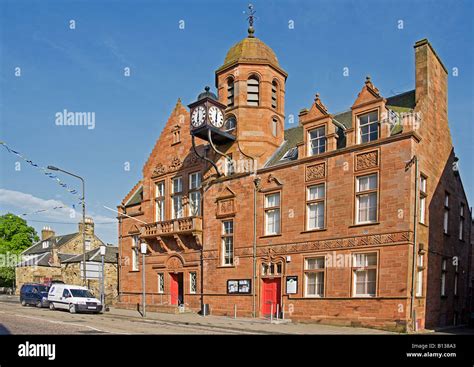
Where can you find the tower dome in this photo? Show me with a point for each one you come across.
(251, 50)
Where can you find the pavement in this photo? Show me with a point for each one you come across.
(15, 319)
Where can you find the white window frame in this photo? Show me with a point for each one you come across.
(365, 268)
(272, 210)
(161, 283)
(310, 271)
(177, 198)
(318, 144)
(192, 282)
(423, 195)
(194, 207)
(369, 124)
(135, 253)
(160, 201)
(318, 201)
(227, 257)
(419, 275)
(370, 192)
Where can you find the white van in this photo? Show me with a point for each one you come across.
(73, 298)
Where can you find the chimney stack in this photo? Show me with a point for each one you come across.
(89, 227)
(46, 233)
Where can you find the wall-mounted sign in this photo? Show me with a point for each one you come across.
(291, 284)
(239, 286)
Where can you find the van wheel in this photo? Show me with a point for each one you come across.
(51, 306)
(72, 309)
(23, 303)
(39, 304)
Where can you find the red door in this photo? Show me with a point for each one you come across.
(174, 289)
(270, 296)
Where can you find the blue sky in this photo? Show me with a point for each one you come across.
(82, 69)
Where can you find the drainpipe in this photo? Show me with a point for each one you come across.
(415, 239)
(256, 182)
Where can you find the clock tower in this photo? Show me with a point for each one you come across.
(251, 87)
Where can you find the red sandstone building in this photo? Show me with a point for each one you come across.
(355, 218)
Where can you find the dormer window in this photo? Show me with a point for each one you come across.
(45, 244)
(253, 90)
(368, 127)
(274, 95)
(230, 92)
(317, 141)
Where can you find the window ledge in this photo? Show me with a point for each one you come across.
(364, 296)
(271, 235)
(225, 266)
(314, 230)
(364, 224)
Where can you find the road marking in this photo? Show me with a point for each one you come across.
(61, 322)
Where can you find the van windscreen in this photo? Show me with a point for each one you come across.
(81, 293)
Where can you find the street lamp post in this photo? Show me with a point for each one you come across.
(143, 250)
(103, 250)
(84, 274)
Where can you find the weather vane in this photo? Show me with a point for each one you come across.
(251, 17)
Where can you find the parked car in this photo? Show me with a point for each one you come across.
(73, 298)
(34, 294)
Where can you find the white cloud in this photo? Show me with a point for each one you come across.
(22, 202)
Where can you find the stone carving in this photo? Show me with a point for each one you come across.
(159, 170)
(367, 160)
(175, 164)
(226, 207)
(174, 263)
(316, 171)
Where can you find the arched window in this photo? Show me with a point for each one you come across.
(252, 91)
(230, 92)
(275, 126)
(274, 94)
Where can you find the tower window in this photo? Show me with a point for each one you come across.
(274, 95)
(274, 127)
(253, 91)
(230, 92)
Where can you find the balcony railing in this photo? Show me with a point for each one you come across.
(188, 225)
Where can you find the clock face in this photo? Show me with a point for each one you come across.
(198, 116)
(216, 116)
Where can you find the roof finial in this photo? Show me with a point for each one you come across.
(251, 17)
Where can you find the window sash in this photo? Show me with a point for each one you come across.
(272, 219)
(160, 189)
(192, 282)
(178, 211)
(177, 185)
(422, 209)
(228, 250)
(194, 181)
(365, 282)
(367, 208)
(161, 283)
(160, 210)
(317, 141)
(315, 213)
(315, 263)
(314, 284)
(272, 200)
(194, 203)
(446, 221)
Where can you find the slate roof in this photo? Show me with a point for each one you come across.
(56, 241)
(94, 256)
(37, 260)
(403, 102)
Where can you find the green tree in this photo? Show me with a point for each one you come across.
(15, 236)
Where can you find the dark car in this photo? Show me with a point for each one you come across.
(34, 294)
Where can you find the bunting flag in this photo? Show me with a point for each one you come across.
(44, 210)
(45, 171)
